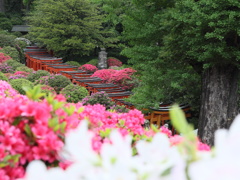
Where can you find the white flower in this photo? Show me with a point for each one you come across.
(158, 160)
(224, 164)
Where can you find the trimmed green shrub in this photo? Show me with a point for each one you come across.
(74, 93)
(19, 83)
(58, 82)
(14, 64)
(98, 98)
(3, 77)
(25, 69)
(7, 40)
(93, 62)
(5, 68)
(119, 109)
(47, 89)
(37, 74)
(12, 52)
(73, 63)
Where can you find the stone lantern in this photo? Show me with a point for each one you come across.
(102, 59)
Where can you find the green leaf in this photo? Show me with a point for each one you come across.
(34, 93)
(178, 120)
(28, 130)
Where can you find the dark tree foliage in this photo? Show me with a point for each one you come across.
(205, 34)
(68, 26)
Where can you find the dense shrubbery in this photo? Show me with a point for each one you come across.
(47, 89)
(18, 84)
(88, 68)
(14, 64)
(4, 57)
(56, 81)
(12, 52)
(3, 77)
(5, 68)
(111, 61)
(98, 98)
(73, 63)
(123, 78)
(24, 68)
(74, 93)
(7, 40)
(93, 62)
(19, 75)
(37, 74)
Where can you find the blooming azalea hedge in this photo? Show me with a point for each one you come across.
(156, 159)
(123, 78)
(34, 128)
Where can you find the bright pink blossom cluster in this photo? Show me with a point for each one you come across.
(122, 78)
(31, 130)
(113, 62)
(89, 68)
(4, 57)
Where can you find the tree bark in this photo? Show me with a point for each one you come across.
(2, 6)
(219, 100)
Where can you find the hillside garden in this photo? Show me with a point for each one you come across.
(160, 52)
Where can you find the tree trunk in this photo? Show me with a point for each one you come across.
(2, 8)
(219, 100)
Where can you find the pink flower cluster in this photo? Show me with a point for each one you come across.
(4, 57)
(122, 77)
(89, 68)
(35, 130)
(113, 62)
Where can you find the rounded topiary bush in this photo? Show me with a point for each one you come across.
(37, 74)
(73, 63)
(111, 61)
(56, 81)
(7, 40)
(14, 64)
(88, 68)
(5, 68)
(25, 69)
(18, 84)
(12, 52)
(93, 62)
(98, 98)
(74, 93)
(3, 77)
(47, 89)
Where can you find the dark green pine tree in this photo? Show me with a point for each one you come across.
(68, 26)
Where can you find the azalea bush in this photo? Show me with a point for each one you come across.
(34, 128)
(5, 68)
(24, 68)
(111, 61)
(12, 52)
(47, 89)
(14, 64)
(73, 63)
(19, 84)
(57, 81)
(88, 68)
(37, 74)
(3, 77)
(74, 93)
(4, 57)
(19, 75)
(156, 158)
(124, 78)
(93, 62)
(98, 98)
